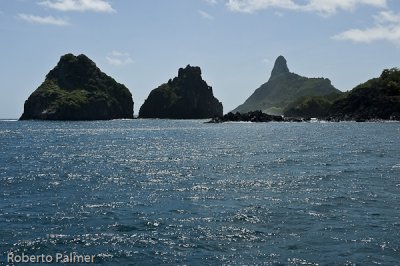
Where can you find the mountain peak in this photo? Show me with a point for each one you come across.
(283, 88)
(280, 66)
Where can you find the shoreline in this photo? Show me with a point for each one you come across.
(260, 117)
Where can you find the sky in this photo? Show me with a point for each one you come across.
(143, 43)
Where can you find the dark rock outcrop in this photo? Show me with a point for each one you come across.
(185, 97)
(253, 116)
(284, 88)
(376, 99)
(76, 89)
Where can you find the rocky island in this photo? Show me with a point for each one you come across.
(76, 89)
(283, 88)
(187, 96)
(300, 99)
(376, 99)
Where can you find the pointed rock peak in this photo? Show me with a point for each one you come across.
(280, 66)
(189, 71)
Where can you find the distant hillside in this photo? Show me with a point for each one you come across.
(283, 88)
(187, 96)
(311, 106)
(378, 98)
(76, 89)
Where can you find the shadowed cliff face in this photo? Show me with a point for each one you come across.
(284, 88)
(76, 89)
(187, 96)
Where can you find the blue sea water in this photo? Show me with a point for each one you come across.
(166, 192)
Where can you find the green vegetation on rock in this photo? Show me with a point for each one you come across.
(76, 89)
(187, 96)
(283, 88)
(378, 98)
(311, 106)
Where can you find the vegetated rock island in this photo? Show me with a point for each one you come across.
(283, 88)
(374, 100)
(187, 96)
(76, 89)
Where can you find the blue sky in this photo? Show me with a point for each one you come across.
(142, 43)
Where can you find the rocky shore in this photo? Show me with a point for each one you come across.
(254, 116)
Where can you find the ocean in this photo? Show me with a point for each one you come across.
(171, 192)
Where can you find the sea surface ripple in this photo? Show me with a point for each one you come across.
(150, 192)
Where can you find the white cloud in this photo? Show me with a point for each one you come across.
(79, 5)
(50, 20)
(119, 59)
(387, 17)
(386, 28)
(323, 7)
(205, 15)
(211, 2)
(328, 7)
(250, 6)
(266, 61)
